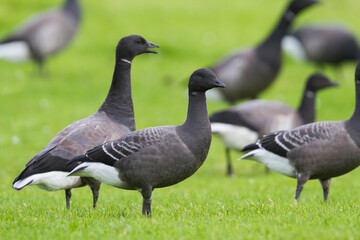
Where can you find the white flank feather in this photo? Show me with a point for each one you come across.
(235, 137)
(102, 172)
(15, 51)
(274, 162)
(292, 46)
(49, 181)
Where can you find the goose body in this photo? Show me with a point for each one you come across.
(322, 44)
(243, 124)
(248, 72)
(43, 34)
(321, 150)
(155, 157)
(115, 117)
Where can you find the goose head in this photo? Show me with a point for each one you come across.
(133, 45)
(202, 80)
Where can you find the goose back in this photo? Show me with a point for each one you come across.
(249, 72)
(330, 44)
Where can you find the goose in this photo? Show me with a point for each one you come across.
(115, 117)
(322, 44)
(244, 123)
(321, 150)
(248, 72)
(155, 157)
(42, 35)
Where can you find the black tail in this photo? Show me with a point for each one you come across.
(249, 147)
(81, 158)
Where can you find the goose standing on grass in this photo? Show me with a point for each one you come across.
(323, 44)
(48, 169)
(320, 150)
(159, 156)
(243, 124)
(247, 73)
(42, 35)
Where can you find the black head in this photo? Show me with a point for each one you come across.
(297, 6)
(202, 80)
(133, 45)
(318, 81)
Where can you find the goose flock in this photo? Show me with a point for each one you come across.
(107, 148)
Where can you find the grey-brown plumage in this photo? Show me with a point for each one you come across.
(322, 44)
(159, 156)
(321, 150)
(43, 34)
(115, 117)
(247, 73)
(243, 124)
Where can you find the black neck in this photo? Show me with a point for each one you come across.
(356, 115)
(118, 104)
(352, 125)
(72, 7)
(197, 117)
(307, 107)
(271, 46)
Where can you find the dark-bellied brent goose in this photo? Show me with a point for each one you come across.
(244, 123)
(248, 72)
(320, 150)
(158, 156)
(322, 44)
(48, 169)
(42, 35)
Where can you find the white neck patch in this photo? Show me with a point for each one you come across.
(125, 60)
(289, 15)
(309, 94)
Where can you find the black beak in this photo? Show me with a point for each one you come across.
(218, 83)
(333, 84)
(151, 45)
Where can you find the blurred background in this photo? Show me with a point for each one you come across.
(191, 35)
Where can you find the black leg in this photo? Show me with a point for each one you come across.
(301, 180)
(146, 208)
(42, 70)
(95, 191)
(228, 160)
(68, 196)
(325, 183)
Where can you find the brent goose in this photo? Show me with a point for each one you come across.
(322, 44)
(320, 150)
(158, 156)
(248, 72)
(42, 35)
(115, 117)
(243, 124)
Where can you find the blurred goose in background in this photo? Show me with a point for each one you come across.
(243, 124)
(42, 35)
(48, 169)
(322, 44)
(248, 72)
(320, 150)
(159, 156)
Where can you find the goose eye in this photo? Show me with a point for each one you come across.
(140, 41)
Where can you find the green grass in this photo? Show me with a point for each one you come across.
(191, 34)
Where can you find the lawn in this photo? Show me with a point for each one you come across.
(209, 205)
